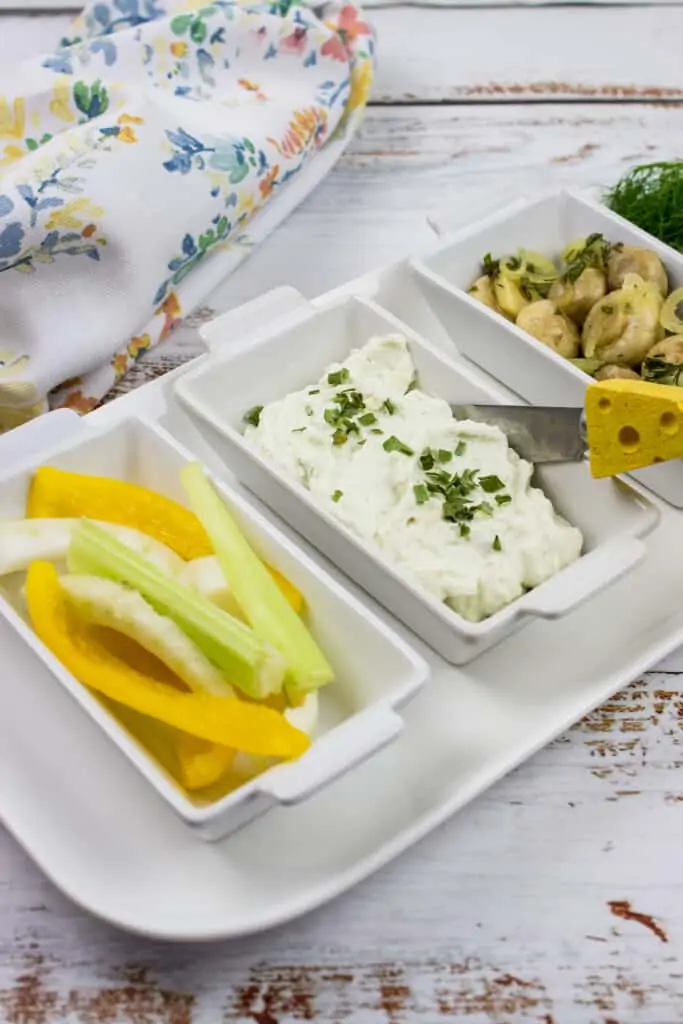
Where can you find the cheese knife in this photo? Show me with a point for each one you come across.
(624, 425)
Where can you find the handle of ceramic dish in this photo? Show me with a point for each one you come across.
(595, 571)
(252, 315)
(42, 432)
(335, 753)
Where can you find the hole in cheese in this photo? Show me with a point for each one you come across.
(668, 421)
(604, 404)
(629, 438)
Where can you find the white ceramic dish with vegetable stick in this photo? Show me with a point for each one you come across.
(531, 369)
(88, 820)
(374, 675)
(293, 353)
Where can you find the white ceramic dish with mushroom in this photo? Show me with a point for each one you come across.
(294, 360)
(605, 318)
(373, 677)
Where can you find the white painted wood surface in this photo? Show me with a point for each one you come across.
(502, 54)
(521, 909)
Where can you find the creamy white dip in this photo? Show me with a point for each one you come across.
(503, 536)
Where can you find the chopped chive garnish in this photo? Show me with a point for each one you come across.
(491, 484)
(464, 530)
(339, 437)
(497, 546)
(337, 495)
(362, 442)
(389, 406)
(253, 416)
(298, 430)
(421, 493)
(393, 444)
(314, 391)
(367, 419)
(411, 386)
(461, 448)
(309, 410)
(427, 459)
(503, 499)
(338, 377)
(331, 416)
(376, 430)
(443, 455)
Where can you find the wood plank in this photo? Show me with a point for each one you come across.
(524, 53)
(501, 54)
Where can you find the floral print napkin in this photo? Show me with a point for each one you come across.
(142, 160)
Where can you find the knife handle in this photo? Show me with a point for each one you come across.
(631, 424)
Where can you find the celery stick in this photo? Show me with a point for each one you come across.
(263, 603)
(249, 663)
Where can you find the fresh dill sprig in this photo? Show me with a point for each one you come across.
(651, 197)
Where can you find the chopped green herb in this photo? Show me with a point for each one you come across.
(314, 391)
(309, 410)
(427, 459)
(460, 448)
(497, 546)
(491, 484)
(392, 444)
(503, 499)
(464, 530)
(389, 406)
(410, 521)
(337, 495)
(411, 386)
(367, 419)
(339, 437)
(421, 493)
(331, 416)
(253, 417)
(298, 430)
(361, 442)
(443, 455)
(338, 377)
(490, 267)
(376, 430)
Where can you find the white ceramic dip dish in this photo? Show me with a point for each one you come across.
(531, 369)
(293, 353)
(376, 672)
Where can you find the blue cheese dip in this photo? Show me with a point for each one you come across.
(447, 502)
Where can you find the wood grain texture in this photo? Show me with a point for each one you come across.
(568, 53)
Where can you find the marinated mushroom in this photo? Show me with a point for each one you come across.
(663, 364)
(611, 372)
(634, 259)
(543, 321)
(509, 297)
(482, 290)
(576, 298)
(624, 325)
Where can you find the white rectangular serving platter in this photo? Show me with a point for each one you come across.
(110, 843)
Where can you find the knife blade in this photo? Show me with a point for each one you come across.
(537, 433)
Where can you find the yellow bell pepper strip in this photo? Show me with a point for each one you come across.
(223, 720)
(201, 764)
(57, 493)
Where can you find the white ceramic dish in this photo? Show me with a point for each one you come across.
(293, 352)
(374, 676)
(118, 852)
(529, 368)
